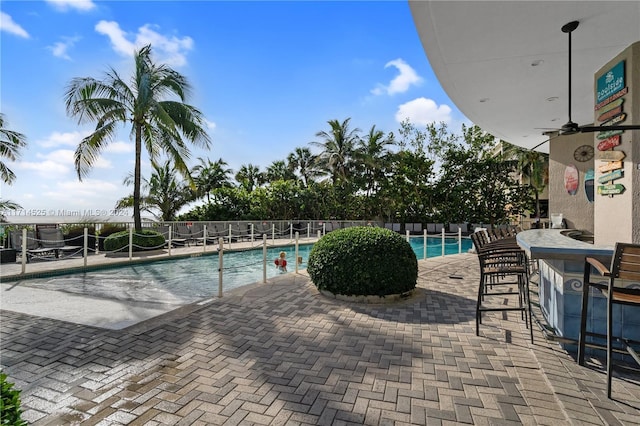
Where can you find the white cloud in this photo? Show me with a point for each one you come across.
(53, 164)
(64, 5)
(423, 111)
(58, 163)
(7, 24)
(89, 192)
(170, 50)
(210, 124)
(59, 49)
(119, 147)
(60, 156)
(102, 163)
(62, 139)
(406, 78)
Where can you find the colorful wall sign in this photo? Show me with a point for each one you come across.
(611, 155)
(607, 134)
(615, 104)
(610, 113)
(613, 189)
(612, 165)
(571, 179)
(610, 83)
(612, 98)
(609, 143)
(616, 119)
(610, 177)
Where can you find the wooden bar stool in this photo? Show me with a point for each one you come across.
(625, 265)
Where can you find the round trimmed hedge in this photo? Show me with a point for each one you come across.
(363, 261)
(144, 240)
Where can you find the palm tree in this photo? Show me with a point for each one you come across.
(210, 175)
(278, 170)
(158, 123)
(249, 177)
(10, 144)
(532, 166)
(163, 192)
(337, 149)
(302, 160)
(370, 153)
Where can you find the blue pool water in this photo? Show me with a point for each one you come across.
(188, 280)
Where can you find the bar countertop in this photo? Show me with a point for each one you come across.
(552, 244)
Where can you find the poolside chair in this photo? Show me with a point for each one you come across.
(197, 232)
(32, 246)
(164, 230)
(181, 235)
(262, 228)
(503, 267)
(51, 239)
(414, 228)
(625, 265)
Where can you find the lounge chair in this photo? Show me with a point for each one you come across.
(52, 240)
(32, 249)
(454, 227)
(413, 228)
(260, 229)
(198, 233)
(181, 235)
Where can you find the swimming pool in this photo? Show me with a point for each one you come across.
(188, 280)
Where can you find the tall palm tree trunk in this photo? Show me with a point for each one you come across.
(137, 220)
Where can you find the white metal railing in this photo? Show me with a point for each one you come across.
(207, 235)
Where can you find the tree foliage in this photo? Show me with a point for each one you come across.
(424, 175)
(148, 103)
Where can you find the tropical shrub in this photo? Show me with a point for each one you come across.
(109, 229)
(142, 240)
(363, 260)
(10, 412)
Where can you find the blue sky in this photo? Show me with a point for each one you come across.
(266, 75)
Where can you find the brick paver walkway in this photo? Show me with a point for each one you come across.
(282, 354)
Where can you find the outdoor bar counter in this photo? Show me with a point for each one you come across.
(561, 266)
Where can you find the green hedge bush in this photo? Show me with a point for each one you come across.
(109, 229)
(143, 240)
(363, 260)
(10, 412)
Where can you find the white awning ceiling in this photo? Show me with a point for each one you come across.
(505, 64)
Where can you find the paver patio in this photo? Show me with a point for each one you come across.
(281, 353)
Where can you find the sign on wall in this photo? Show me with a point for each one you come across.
(610, 82)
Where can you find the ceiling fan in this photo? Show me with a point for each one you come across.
(570, 127)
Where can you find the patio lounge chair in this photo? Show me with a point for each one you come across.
(198, 233)
(32, 249)
(52, 240)
(181, 235)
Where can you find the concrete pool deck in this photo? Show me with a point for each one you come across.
(281, 353)
(87, 309)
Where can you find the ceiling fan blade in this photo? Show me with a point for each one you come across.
(587, 129)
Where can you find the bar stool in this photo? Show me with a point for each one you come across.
(503, 266)
(625, 265)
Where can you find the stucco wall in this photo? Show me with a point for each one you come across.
(577, 211)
